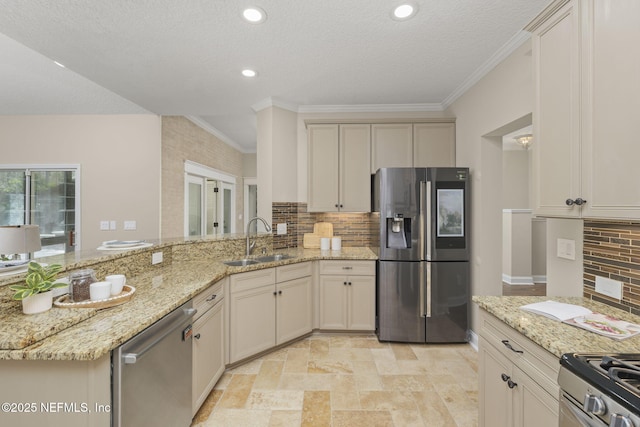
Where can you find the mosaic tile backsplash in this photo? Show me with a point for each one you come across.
(612, 250)
(356, 229)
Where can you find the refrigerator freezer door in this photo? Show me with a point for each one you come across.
(399, 288)
(448, 302)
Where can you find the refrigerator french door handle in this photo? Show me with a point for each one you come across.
(425, 220)
(423, 284)
(428, 289)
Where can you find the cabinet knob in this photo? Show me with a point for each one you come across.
(349, 283)
(579, 201)
(279, 292)
(212, 297)
(344, 283)
(336, 205)
(275, 293)
(197, 336)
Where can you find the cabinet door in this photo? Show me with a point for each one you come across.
(556, 119)
(532, 405)
(323, 168)
(610, 145)
(252, 326)
(361, 310)
(355, 176)
(333, 302)
(293, 309)
(495, 396)
(391, 146)
(434, 145)
(208, 353)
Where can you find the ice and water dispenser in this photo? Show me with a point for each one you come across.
(398, 232)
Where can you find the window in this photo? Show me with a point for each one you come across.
(209, 201)
(47, 196)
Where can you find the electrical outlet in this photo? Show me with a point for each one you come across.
(609, 287)
(112, 225)
(156, 258)
(129, 225)
(104, 225)
(281, 228)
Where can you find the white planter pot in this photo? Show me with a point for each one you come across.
(37, 303)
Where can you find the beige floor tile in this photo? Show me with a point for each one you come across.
(316, 409)
(285, 418)
(342, 380)
(237, 392)
(361, 419)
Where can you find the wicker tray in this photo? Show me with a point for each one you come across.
(121, 298)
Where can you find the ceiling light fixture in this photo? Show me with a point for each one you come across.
(404, 11)
(254, 14)
(525, 140)
(249, 73)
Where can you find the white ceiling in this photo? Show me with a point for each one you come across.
(173, 57)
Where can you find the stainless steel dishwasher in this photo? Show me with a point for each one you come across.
(152, 374)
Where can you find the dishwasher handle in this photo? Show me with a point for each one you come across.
(172, 325)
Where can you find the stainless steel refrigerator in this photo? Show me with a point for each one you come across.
(423, 264)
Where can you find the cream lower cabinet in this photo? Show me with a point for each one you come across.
(267, 308)
(518, 379)
(208, 342)
(347, 295)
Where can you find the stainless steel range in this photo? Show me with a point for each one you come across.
(599, 390)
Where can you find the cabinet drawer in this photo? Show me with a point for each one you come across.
(252, 279)
(293, 271)
(536, 362)
(346, 267)
(208, 298)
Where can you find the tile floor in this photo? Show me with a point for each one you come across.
(354, 380)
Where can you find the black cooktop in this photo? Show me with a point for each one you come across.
(616, 375)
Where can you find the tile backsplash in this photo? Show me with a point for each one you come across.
(612, 250)
(356, 229)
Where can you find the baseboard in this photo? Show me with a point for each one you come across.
(473, 339)
(517, 280)
(540, 279)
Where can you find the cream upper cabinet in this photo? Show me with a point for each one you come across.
(587, 99)
(339, 178)
(323, 168)
(434, 145)
(556, 121)
(611, 106)
(391, 146)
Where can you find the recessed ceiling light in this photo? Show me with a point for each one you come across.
(404, 11)
(59, 64)
(249, 73)
(254, 14)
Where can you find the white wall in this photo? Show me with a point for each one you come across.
(564, 276)
(516, 179)
(503, 96)
(120, 165)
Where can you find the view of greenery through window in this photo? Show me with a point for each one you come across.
(46, 197)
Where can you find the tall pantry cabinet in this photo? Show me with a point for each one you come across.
(587, 96)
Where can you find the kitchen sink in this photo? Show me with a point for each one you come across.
(274, 257)
(241, 262)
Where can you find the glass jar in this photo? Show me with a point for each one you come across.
(80, 281)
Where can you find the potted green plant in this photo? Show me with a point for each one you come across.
(35, 293)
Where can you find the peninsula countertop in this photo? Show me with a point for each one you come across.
(158, 292)
(556, 337)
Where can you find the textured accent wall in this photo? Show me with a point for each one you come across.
(612, 250)
(356, 229)
(183, 140)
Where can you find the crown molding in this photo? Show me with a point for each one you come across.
(215, 132)
(274, 102)
(507, 49)
(369, 108)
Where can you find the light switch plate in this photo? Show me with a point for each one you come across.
(609, 287)
(112, 225)
(566, 249)
(130, 225)
(104, 225)
(156, 258)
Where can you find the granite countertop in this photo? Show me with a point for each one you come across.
(88, 334)
(554, 336)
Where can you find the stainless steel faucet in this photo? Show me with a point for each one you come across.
(252, 244)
